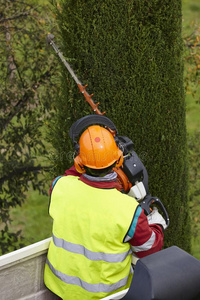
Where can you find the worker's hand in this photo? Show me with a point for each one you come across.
(155, 218)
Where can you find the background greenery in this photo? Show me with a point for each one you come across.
(191, 35)
(26, 86)
(33, 216)
(130, 54)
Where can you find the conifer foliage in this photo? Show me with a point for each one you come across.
(130, 55)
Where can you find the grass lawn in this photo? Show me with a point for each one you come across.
(196, 247)
(191, 21)
(32, 218)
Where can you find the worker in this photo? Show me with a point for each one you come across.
(96, 228)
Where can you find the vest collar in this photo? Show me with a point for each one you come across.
(106, 182)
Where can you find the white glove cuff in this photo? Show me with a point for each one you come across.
(156, 218)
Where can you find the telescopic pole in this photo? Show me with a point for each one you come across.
(82, 88)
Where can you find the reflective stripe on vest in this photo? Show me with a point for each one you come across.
(89, 287)
(96, 256)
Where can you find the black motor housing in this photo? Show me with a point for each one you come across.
(132, 165)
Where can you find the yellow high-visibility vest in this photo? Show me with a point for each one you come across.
(88, 258)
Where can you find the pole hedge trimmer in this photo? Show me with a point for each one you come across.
(133, 176)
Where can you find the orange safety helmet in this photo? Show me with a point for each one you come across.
(97, 150)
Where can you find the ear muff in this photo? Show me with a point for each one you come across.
(76, 148)
(77, 160)
(80, 167)
(78, 164)
(119, 162)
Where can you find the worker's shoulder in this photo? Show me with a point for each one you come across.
(124, 197)
(65, 178)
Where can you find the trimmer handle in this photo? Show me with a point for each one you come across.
(148, 201)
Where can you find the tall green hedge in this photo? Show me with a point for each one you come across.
(130, 54)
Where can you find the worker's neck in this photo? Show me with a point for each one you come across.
(107, 178)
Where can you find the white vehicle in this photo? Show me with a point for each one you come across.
(170, 274)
